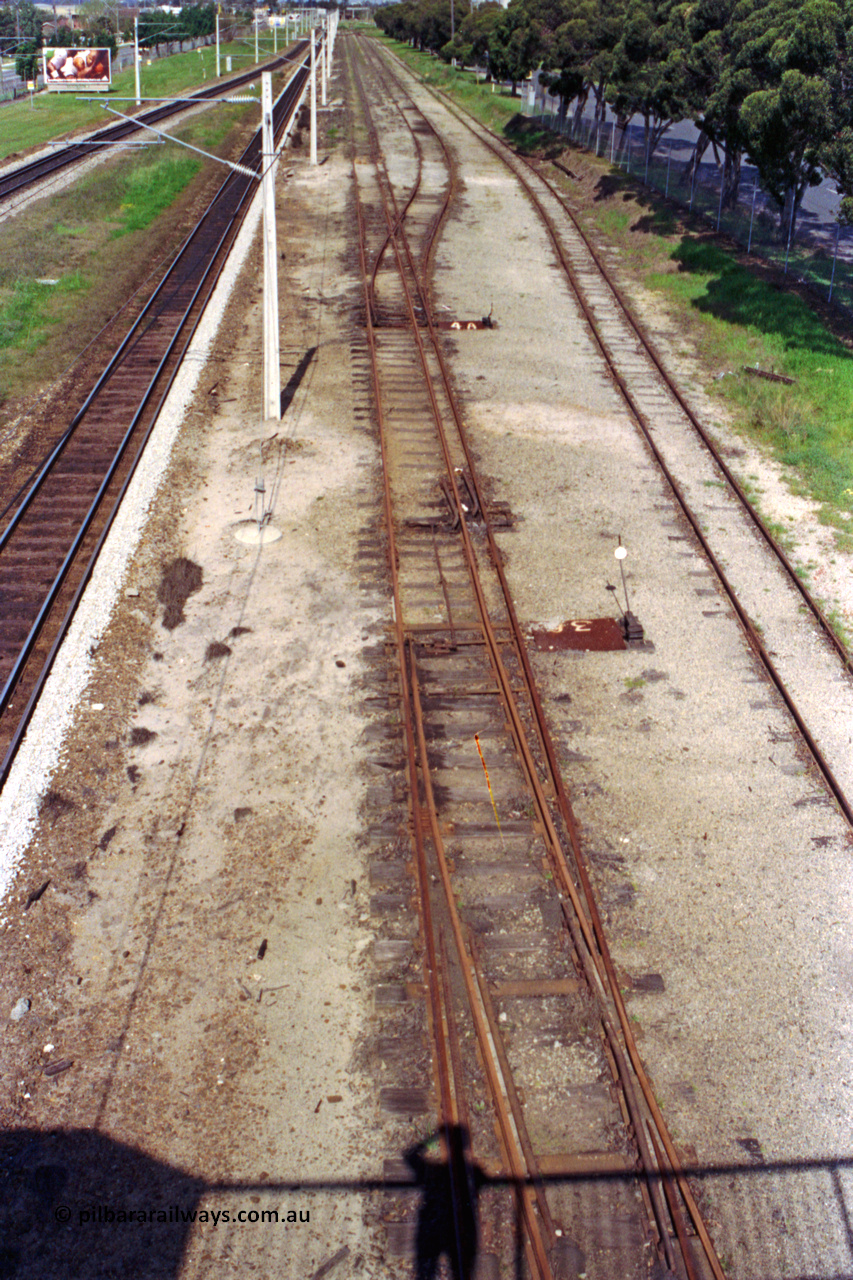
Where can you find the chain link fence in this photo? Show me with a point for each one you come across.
(816, 250)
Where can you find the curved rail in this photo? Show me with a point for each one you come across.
(658, 1155)
(498, 148)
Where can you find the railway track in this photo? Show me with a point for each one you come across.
(513, 947)
(23, 178)
(785, 625)
(56, 522)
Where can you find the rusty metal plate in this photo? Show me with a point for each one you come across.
(459, 326)
(599, 634)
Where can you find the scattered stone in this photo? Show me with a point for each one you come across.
(21, 1009)
(139, 736)
(216, 649)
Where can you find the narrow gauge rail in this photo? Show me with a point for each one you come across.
(28, 175)
(61, 518)
(470, 672)
(745, 571)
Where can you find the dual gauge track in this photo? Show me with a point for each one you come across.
(464, 673)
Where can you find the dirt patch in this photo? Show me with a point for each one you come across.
(182, 579)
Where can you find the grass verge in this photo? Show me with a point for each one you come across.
(98, 239)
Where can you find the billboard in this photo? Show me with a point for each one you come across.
(77, 68)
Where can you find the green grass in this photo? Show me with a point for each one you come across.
(745, 320)
(26, 310)
(72, 235)
(52, 115)
(151, 188)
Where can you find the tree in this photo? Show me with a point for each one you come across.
(786, 129)
(716, 87)
(579, 57)
(789, 122)
(648, 76)
(28, 60)
(470, 45)
(513, 47)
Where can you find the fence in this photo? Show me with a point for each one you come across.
(820, 250)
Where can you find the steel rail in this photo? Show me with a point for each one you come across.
(525, 755)
(445, 1076)
(591, 926)
(752, 635)
(285, 106)
(496, 144)
(35, 171)
(750, 631)
(158, 299)
(414, 725)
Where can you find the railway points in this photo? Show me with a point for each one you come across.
(299, 876)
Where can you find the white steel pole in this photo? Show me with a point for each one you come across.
(218, 70)
(324, 40)
(136, 60)
(272, 361)
(313, 100)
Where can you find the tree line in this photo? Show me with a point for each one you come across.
(766, 80)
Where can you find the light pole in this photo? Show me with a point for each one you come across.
(218, 71)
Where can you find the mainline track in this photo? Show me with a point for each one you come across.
(470, 669)
(57, 522)
(23, 177)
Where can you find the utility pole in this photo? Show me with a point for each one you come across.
(136, 60)
(324, 37)
(313, 99)
(218, 71)
(272, 360)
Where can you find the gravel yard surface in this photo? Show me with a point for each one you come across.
(202, 953)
